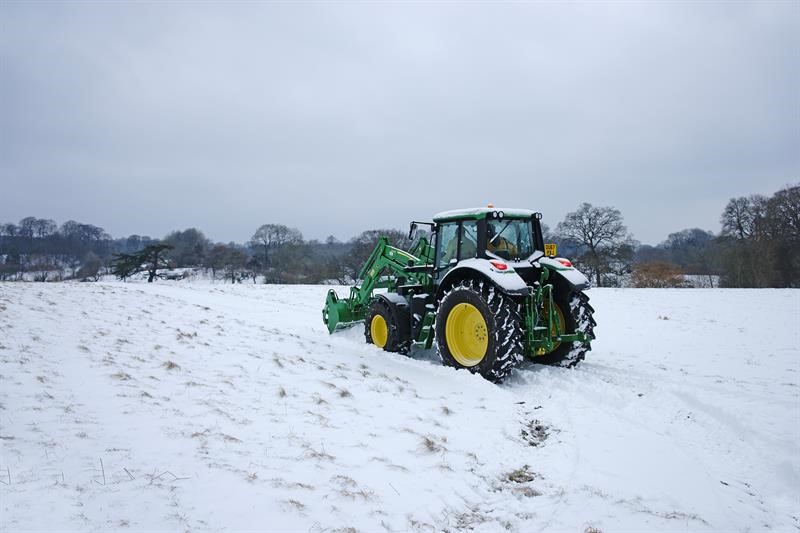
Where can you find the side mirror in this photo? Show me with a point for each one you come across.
(412, 230)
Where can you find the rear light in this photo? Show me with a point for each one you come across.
(499, 265)
(565, 262)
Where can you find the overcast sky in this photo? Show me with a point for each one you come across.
(338, 117)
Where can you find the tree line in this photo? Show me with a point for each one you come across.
(758, 245)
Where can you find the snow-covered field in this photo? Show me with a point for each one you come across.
(199, 406)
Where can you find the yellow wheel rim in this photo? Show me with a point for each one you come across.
(466, 334)
(558, 327)
(379, 331)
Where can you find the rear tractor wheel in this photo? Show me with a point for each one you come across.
(479, 328)
(573, 313)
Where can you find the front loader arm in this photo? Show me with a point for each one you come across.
(385, 257)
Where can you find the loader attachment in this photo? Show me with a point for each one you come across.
(339, 314)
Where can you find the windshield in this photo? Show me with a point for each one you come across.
(509, 239)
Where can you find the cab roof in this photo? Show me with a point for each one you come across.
(481, 212)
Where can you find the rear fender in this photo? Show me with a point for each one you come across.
(508, 281)
(575, 278)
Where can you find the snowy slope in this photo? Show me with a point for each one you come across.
(196, 406)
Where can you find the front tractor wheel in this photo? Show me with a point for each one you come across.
(479, 328)
(385, 329)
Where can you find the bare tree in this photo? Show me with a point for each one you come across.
(782, 214)
(8, 230)
(604, 244)
(742, 216)
(44, 228)
(271, 236)
(189, 247)
(27, 227)
(235, 261)
(782, 224)
(90, 269)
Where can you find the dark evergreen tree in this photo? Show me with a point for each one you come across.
(149, 259)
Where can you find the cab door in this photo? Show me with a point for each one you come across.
(455, 241)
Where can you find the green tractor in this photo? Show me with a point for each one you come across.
(485, 288)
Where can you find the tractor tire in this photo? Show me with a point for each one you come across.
(479, 328)
(385, 328)
(577, 315)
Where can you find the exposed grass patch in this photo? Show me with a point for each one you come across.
(521, 475)
(170, 365)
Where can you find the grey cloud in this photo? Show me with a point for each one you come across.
(339, 117)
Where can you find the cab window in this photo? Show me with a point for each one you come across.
(509, 238)
(446, 244)
(468, 237)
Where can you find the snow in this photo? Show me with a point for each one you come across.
(510, 212)
(230, 407)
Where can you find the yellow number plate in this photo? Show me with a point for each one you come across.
(550, 250)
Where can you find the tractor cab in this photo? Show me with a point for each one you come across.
(485, 233)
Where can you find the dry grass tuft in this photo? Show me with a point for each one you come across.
(318, 454)
(169, 365)
(229, 438)
(296, 504)
(185, 335)
(521, 475)
(431, 446)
